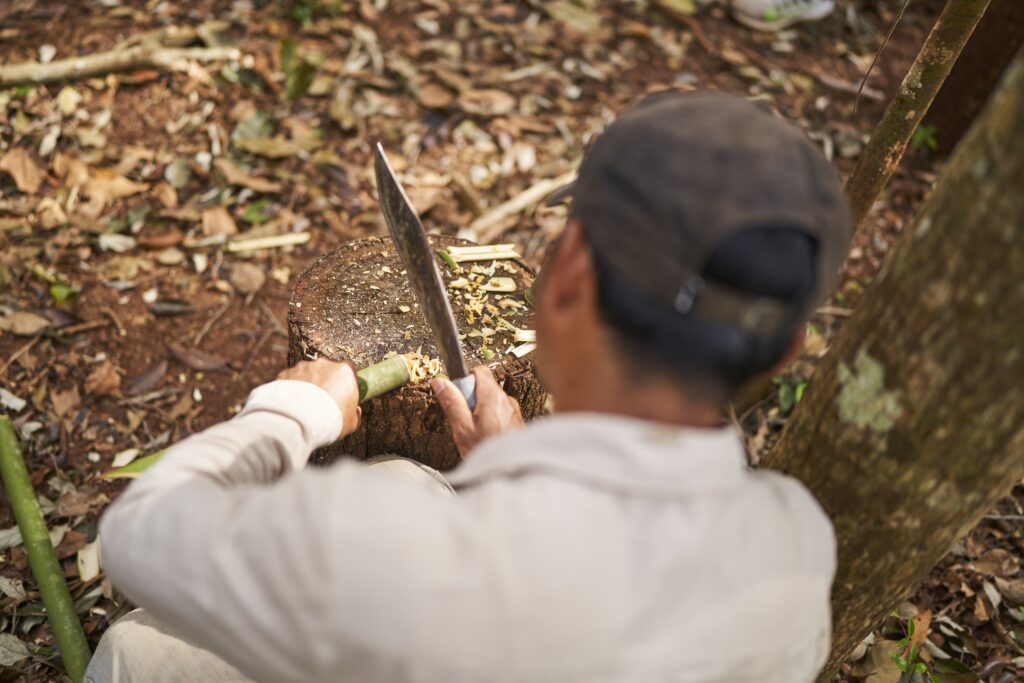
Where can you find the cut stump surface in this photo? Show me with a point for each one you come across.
(355, 303)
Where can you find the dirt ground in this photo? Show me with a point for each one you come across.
(137, 313)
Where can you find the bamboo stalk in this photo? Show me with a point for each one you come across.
(60, 608)
(382, 377)
(888, 142)
(377, 379)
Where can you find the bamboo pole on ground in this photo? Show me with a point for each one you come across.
(889, 140)
(60, 608)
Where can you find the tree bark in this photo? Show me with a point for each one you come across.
(977, 72)
(354, 303)
(889, 140)
(913, 425)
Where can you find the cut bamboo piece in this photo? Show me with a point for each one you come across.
(485, 252)
(272, 242)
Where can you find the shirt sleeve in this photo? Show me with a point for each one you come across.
(204, 544)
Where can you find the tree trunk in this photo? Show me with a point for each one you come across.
(977, 72)
(884, 150)
(355, 303)
(913, 425)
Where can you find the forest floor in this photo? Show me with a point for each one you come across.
(135, 309)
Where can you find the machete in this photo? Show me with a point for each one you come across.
(418, 258)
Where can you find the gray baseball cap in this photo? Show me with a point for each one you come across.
(678, 173)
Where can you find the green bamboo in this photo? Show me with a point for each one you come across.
(60, 608)
(373, 381)
(382, 377)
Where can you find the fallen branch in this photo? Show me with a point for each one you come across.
(60, 608)
(144, 56)
(491, 225)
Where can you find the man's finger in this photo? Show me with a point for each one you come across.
(487, 389)
(453, 404)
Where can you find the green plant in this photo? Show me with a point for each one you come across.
(925, 139)
(908, 661)
(299, 70)
(790, 392)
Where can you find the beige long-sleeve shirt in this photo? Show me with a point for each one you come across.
(585, 548)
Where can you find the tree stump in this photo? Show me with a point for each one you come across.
(355, 303)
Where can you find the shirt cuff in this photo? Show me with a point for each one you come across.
(306, 403)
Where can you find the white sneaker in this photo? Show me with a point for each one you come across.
(774, 15)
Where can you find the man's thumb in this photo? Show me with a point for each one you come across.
(452, 402)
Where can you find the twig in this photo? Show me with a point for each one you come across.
(252, 354)
(209, 323)
(100, 63)
(18, 354)
(117, 321)
(273, 318)
(490, 226)
(82, 327)
(874, 60)
(60, 608)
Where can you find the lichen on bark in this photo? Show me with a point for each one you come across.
(862, 399)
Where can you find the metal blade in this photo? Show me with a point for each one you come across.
(418, 258)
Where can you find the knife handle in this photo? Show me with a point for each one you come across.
(467, 385)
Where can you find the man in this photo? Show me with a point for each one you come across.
(621, 540)
(775, 15)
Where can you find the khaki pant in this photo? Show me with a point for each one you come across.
(139, 649)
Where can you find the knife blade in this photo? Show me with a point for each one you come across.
(418, 258)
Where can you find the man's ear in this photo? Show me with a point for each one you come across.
(569, 275)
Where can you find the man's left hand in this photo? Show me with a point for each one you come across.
(336, 378)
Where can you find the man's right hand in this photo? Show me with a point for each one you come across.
(495, 412)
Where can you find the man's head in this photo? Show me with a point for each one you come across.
(703, 232)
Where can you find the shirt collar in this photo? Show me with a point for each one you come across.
(612, 451)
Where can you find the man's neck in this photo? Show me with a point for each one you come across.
(654, 401)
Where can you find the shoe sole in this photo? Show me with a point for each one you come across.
(816, 14)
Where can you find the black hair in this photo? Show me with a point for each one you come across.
(709, 357)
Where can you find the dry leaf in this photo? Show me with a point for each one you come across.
(80, 502)
(166, 195)
(23, 323)
(217, 221)
(88, 561)
(434, 96)
(65, 402)
(147, 379)
(272, 148)
(106, 187)
(27, 175)
(103, 380)
(196, 359)
(72, 171)
(247, 277)
(236, 176)
(1011, 589)
(50, 213)
(487, 102)
(574, 17)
